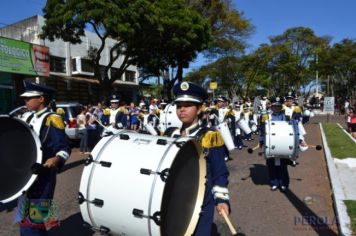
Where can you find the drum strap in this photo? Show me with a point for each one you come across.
(200, 134)
(29, 118)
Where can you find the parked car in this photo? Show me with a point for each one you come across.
(71, 111)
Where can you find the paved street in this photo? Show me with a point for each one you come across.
(306, 209)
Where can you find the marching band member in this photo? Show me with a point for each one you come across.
(291, 110)
(238, 135)
(278, 167)
(153, 117)
(247, 115)
(114, 108)
(121, 116)
(35, 211)
(189, 99)
(264, 104)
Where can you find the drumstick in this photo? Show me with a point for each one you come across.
(101, 124)
(317, 147)
(228, 222)
(250, 150)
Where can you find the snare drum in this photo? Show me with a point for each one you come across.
(226, 135)
(253, 126)
(281, 139)
(20, 149)
(138, 184)
(243, 125)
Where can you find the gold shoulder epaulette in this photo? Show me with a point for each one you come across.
(55, 120)
(264, 118)
(297, 109)
(212, 139)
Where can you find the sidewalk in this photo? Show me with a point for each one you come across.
(342, 173)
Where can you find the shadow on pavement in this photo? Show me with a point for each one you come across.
(258, 175)
(309, 219)
(8, 206)
(73, 225)
(72, 165)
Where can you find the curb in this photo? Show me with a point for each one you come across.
(348, 134)
(338, 193)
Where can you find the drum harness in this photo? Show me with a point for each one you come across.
(44, 119)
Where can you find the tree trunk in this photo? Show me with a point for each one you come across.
(105, 90)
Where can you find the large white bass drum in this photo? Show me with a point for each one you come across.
(281, 139)
(20, 152)
(138, 184)
(168, 118)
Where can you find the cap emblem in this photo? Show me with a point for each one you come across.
(184, 86)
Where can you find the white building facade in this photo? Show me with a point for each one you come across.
(71, 70)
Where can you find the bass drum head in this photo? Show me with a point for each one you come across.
(180, 211)
(19, 150)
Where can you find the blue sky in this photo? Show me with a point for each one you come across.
(336, 18)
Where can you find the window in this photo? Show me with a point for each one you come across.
(114, 73)
(57, 64)
(130, 76)
(87, 65)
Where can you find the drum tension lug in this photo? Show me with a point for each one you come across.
(179, 144)
(81, 198)
(97, 202)
(156, 216)
(163, 174)
(90, 159)
(124, 137)
(161, 142)
(104, 230)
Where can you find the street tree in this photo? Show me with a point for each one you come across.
(293, 52)
(153, 34)
(337, 68)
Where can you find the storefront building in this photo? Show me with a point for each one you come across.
(70, 70)
(18, 61)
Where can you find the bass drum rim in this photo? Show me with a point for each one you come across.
(36, 156)
(199, 199)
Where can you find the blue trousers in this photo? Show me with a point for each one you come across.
(27, 231)
(278, 175)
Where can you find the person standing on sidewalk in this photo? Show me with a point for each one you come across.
(82, 131)
(36, 212)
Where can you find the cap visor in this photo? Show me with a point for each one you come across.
(30, 94)
(187, 99)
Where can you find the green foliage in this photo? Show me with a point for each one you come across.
(229, 27)
(151, 34)
(293, 52)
